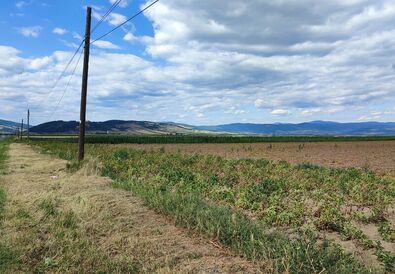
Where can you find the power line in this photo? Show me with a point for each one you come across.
(67, 86)
(61, 74)
(131, 18)
(68, 64)
(110, 10)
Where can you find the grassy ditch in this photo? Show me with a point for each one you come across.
(213, 196)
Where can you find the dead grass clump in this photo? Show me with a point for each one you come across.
(91, 167)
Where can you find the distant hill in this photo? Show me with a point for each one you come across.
(279, 129)
(8, 126)
(308, 128)
(112, 126)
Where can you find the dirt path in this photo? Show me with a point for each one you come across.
(77, 223)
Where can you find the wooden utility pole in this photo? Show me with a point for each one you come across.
(22, 129)
(84, 88)
(28, 123)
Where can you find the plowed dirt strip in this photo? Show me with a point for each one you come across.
(114, 226)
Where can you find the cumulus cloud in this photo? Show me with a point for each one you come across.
(308, 56)
(129, 37)
(122, 4)
(116, 19)
(113, 18)
(30, 31)
(39, 63)
(280, 112)
(105, 45)
(227, 61)
(59, 31)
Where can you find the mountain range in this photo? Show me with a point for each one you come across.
(8, 126)
(307, 128)
(112, 126)
(147, 127)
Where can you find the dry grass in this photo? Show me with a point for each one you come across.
(60, 222)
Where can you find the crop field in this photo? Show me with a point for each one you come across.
(204, 139)
(378, 156)
(297, 218)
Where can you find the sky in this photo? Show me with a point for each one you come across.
(201, 62)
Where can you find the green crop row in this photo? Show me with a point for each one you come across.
(194, 139)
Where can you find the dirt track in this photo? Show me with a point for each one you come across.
(118, 224)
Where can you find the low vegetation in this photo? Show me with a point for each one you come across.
(238, 203)
(38, 234)
(198, 139)
(7, 254)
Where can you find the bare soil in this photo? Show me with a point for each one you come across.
(118, 224)
(378, 156)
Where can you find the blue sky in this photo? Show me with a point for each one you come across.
(203, 62)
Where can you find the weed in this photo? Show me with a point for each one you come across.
(387, 231)
(385, 257)
(23, 214)
(8, 258)
(49, 206)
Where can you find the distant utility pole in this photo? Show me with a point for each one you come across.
(22, 129)
(28, 123)
(84, 88)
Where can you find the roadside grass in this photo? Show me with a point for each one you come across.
(8, 257)
(39, 235)
(236, 202)
(49, 239)
(63, 245)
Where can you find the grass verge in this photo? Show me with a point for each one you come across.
(8, 257)
(41, 235)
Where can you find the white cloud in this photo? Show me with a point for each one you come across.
(129, 37)
(77, 36)
(311, 111)
(116, 19)
(122, 4)
(280, 112)
(21, 4)
(105, 45)
(59, 31)
(30, 31)
(259, 103)
(240, 60)
(39, 63)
